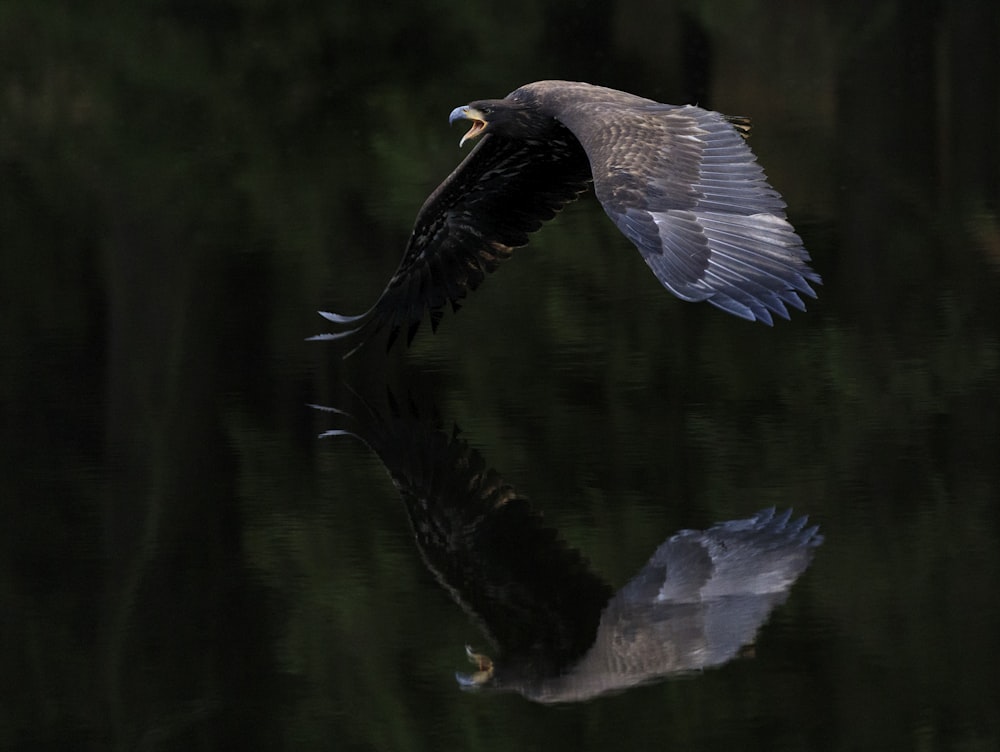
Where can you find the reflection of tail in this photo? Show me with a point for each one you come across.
(562, 634)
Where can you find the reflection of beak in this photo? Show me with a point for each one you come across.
(469, 113)
(485, 665)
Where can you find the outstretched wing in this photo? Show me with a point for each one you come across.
(682, 184)
(503, 191)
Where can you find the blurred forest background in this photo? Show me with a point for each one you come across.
(182, 184)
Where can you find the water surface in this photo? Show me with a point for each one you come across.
(187, 565)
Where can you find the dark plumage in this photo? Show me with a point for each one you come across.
(680, 182)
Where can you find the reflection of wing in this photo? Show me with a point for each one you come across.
(756, 556)
(700, 598)
(533, 595)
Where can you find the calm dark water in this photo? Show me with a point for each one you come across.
(186, 565)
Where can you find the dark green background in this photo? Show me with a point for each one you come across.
(183, 565)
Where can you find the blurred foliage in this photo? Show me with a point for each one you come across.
(182, 183)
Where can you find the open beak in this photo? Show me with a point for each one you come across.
(469, 113)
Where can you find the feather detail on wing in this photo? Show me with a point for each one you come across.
(503, 191)
(682, 184)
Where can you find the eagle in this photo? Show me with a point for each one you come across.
(679, 181)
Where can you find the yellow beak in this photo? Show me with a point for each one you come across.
(469, 113)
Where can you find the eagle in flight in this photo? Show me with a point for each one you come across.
(680, 182)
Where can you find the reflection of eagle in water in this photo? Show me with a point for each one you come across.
(678, 181)
(560, 632)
